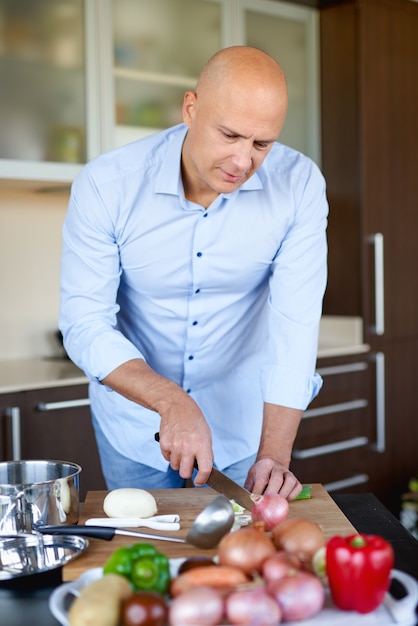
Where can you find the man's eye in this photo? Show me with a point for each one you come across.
(260, 144)
(228, 135)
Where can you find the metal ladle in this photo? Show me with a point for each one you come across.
(216, 519)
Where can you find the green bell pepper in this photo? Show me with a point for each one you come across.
(143, 565)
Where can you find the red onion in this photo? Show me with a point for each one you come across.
(300, 595)
(279, 565)
(200, 605)
(252, 606)
(270, 509)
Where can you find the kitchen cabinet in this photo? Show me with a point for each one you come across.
(337, 434)
(159, 49)
(9, 426)
(86, 76)
(53, 423)
(369, 78)
(47, 112)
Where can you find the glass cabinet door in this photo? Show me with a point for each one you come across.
(289, 34)
(42, 77)
(159, 49)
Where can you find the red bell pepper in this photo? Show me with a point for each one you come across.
(358, 570)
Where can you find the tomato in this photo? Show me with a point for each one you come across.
(144, 608)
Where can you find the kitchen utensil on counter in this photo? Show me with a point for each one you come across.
(207, 530)
(36, 493)
(35, 555)
(225, 485)
(157, 522)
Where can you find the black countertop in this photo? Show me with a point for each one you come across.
(365, 512)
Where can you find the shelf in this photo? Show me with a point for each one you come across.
(154, 77)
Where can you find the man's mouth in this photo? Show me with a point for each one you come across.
(232, 178)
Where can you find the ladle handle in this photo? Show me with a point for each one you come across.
(97, 532)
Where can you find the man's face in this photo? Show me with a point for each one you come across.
(228, 139)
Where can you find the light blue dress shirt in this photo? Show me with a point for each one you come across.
(226, 302)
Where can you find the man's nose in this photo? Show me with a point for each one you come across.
(242, 156)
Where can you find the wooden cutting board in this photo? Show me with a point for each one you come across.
(188, 503)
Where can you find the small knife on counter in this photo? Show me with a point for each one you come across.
(223, 484)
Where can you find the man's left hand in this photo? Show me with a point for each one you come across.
(268, 476)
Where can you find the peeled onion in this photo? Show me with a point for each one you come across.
(129, 502)
(300, 537)
(270, 509)
(246, 549)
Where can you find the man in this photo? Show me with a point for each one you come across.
(193, 272)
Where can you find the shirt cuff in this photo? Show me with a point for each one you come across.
(294, 390)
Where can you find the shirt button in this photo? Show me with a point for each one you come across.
(195, 323)
(199, 254)
(205, 214)
(191, 357)
(188, 390)
(197, 291)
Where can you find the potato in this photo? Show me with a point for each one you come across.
(129, 502)
(100, 603)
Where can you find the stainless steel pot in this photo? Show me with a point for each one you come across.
(35, 493)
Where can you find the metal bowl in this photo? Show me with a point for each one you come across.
(34, 554)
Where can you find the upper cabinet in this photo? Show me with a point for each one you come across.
(85, 76)
(159, 49)
(43, 101)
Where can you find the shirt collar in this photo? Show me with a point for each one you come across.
(169, 178)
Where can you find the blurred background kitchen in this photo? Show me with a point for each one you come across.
(79, 77)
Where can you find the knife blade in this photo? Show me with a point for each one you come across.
(223, 484)
(229, 488)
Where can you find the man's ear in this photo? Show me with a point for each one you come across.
(189, 107)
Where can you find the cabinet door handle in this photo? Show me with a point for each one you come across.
(380, 444)
(351, 481)
(379, 283)
(64, 404)
(14, 413)
(338, 446)
(350, 405)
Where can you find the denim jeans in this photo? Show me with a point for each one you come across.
(119, 471)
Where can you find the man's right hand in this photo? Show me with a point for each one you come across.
(184, 433)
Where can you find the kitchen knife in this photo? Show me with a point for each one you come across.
(223, 484)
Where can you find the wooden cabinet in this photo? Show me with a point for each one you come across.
(52, 423)
(369, 78)
(337, 432)
(9, 425)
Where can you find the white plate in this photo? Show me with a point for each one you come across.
(391, 612)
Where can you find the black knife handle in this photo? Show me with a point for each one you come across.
(97, 532)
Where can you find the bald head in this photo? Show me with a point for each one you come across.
(233, 118)
(244, 69)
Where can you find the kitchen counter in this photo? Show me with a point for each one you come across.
(38, 373)
(339, 336)
(364, 511)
